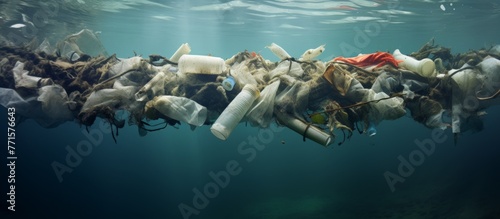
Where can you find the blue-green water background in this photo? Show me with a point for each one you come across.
(148, 177)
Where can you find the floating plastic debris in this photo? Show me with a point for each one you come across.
(316, 99)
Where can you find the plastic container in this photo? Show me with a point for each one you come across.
(182, 50)
(278, 51)
(153, 88)
(197, 64)
(310, 54)
(228, 83)
(181, 108)
(309, 131)
(234, 112)
(424, 67)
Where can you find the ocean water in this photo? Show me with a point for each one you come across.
(179, 173)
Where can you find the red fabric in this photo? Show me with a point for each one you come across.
(378, 58)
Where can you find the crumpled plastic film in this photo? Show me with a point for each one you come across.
(312, 97)
(10, 98)
(22, 78)
(113, 98)
(55, 102)
(293, 100)
(261, 113)
(387, 109)
(242, 75)
(284, 68)
(83, 42)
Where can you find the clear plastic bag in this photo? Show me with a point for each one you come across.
(294, 99)
(55, 102)
(28, 107)
(10, 98)
(114, 98)
(490, 68)
(22, 79)
(282, 69)
(261, 113)
(83, 42)
(387, 109)
(242, 75)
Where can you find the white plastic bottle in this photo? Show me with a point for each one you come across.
(234, 112)
(278, 51)
(424, 67)
(310, 54)
(181, 108)
(153, 88)
(197, 64)
(182, 50)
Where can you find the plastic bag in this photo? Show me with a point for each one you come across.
(385, 83)
(294, 99)
(490, 68)
(83, 42)
(28, 107)
(113, 98)
(261, 113)
(125, 65)
(356, 92)
(22, 79)
(10, 98)
(406, 83)
(388, 109)
(45, 47)
(242, 75)
(495, 50)
(466, 79)
(54, 102)
(282, 69)
(181, 108)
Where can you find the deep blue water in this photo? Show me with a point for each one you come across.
(151, 176)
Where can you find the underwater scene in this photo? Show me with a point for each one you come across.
(250, 109)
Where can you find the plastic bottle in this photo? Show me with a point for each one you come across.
(234, 112)
(152, 88)
(181, 108)
(310, 54)
(182, 50)
(309, 131)
(278, 51)
(228, 83)
(424, 67)
(197, 64)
